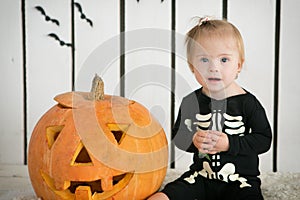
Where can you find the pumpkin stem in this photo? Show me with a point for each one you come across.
(97, 91)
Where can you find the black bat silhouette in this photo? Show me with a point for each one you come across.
(82, 15)
(47, 18)
(62, 43)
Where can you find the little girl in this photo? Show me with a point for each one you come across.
(222, 123)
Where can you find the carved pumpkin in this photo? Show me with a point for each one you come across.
(96, 146)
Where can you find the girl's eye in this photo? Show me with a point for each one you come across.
(204, 60)
(224, 60)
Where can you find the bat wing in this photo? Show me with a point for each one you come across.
(68, 44)
(53, 35)
(55, 21)
(78, 7)
(41, 10)
(89, 21)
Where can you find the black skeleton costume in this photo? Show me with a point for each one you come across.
(244, 121)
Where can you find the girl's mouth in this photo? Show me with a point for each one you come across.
(214, 79)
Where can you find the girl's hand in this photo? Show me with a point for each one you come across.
(210, 142)
(221, 142)
(202, 141)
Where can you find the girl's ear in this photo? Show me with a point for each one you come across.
(240, 66)
(191, 67)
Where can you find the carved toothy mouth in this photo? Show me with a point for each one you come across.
(90, 189)
(95, 186)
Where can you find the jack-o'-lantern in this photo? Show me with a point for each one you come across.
(95, 146)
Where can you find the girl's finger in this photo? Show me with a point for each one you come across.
(206, 146)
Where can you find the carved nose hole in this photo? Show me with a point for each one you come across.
(81, 156)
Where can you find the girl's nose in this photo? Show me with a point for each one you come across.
(213, 67)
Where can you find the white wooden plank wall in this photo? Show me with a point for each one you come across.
(147, 61)
(11, 117)
(186, 83)
(97, 46)
(48, 68)
(255, 19)
(289, 90)
(147, 67)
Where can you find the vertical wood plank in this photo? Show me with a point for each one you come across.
(289, 90)
(122, 47)
(11, 120)
(97, 43)
(255, 20)
(185, 81)
(48, 60)
(276, 82)
(173, 82)
(147, 57)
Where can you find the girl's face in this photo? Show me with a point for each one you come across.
(216, 63)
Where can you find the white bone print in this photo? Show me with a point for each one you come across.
(203, 121)
(217, 126)
(235, 124)
(188, 123)
(226, 174)
(228, 117)
(215, 160)
(203, 117)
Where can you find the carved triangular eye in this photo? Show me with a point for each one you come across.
(81, 156)
(118, 131)
(52, 133)
(118, 135)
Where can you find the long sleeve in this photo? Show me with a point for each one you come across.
(182, 136)
(241, 117)
(184, 129)
(260, 137)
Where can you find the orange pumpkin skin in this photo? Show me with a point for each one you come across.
(97, 149)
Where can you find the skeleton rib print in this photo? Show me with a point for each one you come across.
(233, 126)
(242, 118)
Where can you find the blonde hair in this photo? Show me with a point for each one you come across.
(213, 28)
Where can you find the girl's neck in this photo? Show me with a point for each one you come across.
(234, 90)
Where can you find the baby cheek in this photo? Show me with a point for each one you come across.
(199, 78)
